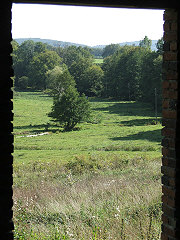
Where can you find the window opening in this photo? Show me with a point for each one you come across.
(101, 180)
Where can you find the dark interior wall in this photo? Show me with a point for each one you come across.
(6, 137)
(171, 112)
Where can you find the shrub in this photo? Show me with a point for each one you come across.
(70, 108)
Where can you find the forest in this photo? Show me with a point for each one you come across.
(131, 73)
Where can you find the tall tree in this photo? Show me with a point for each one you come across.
(146, 43)
(121, 71)
(110, 50)
(39, 66)
(159, 46)
(59, 79)
(73, 54)
(97, 52)
(77, 70)
(40, 47)
(22, 57)
(92, 81)
(133, 73)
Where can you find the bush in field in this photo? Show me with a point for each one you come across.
(70, 108)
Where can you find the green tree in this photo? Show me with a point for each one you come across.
(22, 56)
(70, 108)
(59, 79)
(151, 77)
(77, 69)
(159, 46)
(15, 46)
(39, 47)
(23, 83)
(73, 54)
(39, 66)
(77, 59)
(110, 50)
(146, 43)
(109, 65)
(122, 73)
(97, 52)
(92, 81)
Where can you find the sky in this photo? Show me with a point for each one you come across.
(85, 25)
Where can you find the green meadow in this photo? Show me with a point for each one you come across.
(98, 60)
(100, 181)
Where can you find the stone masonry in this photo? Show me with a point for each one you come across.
(170, 142)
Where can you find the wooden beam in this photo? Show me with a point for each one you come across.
(149, 4)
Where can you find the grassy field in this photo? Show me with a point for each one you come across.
(98, 60)
(101, 181)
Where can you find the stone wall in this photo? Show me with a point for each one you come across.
(170, 143)
(6, 137)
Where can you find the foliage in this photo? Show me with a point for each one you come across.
(124, 73)
(151, 75)
(70, 108)
(110, 50)
(72, 54)
(23, 82)
(159, 46)
(96, 52)
(59, 79)
(32, 60)
(129, 71)
(146, 43)
(92, 79)
(39, 66)
(22, 56)
(77, 70)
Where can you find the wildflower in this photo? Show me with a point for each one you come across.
(118, 209)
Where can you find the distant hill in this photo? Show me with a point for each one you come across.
(135, 43)
(56, 43)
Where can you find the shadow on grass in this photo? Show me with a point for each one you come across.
(46, 96)
(98, 100)
(153, 136)
(39, 94)
(43, 128)
(30, 94)
(141, 122)
(39, 128)
(129, 109)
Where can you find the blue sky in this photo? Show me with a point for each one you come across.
(86, 25)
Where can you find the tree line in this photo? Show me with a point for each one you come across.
(127, 73)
